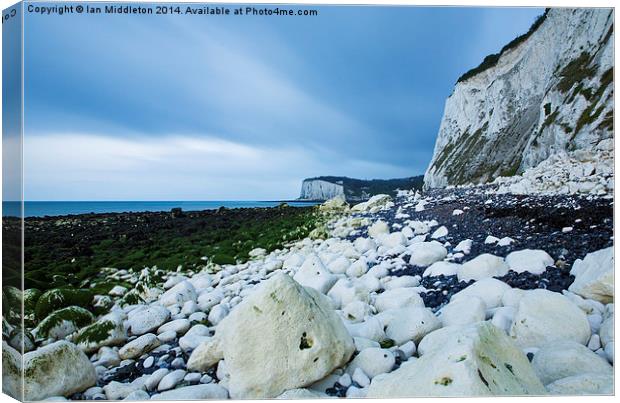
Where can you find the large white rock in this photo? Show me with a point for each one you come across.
(561, 359)
(544, 316)
(426, 253)
(195, 392)
(371, 328)
(208, 300)
(490, 290)
(339, 265)
(464, 246)
(482, 266)
(314, 274)
(346, 291)
(398, 298)
(282, 336)
(412, 323)
(583, 384)
(148, 319)
(11, 371)
(441, 268)
(179, 294)
(477, 360)
(463, 311)
(58, 369)
(139, 346)
(437, 339)
(373, 361)
(179, 326)
(207, 354)
(378, 229)
(358, 268)
(375, 201)
(302, 393)
(594, 276)
(533, 260)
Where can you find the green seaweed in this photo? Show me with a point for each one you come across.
(58, 298)
(95, 333)
(75, 314)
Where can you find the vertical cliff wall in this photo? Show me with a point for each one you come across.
(316, 189)
(548, 91)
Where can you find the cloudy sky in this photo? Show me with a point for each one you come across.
(242, 108)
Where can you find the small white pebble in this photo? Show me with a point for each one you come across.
(148, 363)
(567, 229)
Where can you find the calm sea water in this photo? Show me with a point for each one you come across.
(53, 208)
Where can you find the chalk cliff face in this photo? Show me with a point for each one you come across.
(546, 92)
(317, 189)
(355, 190)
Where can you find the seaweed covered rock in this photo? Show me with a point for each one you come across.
(58, 298)
(31, 297)
(12, 299)
(63, 322)
(286, 328)
(477, 360)
(11, 371)
(107, 331)
(58, 369)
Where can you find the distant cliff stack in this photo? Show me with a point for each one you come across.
(354, 190)
(548, 91)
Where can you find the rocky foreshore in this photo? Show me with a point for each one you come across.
(464, 291)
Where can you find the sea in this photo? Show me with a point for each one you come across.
(56, 208)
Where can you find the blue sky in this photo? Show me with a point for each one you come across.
(213, 108)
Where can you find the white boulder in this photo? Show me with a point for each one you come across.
(398, 298)
(426, 253)
(490, 290)
(532, 260)
(373, 361)
(544, 316)
(482, 266)
(583, 384)
(139, 346)
(179, 294)
(412, 323)
(58, 369)
(148, 319)
(378, 229)
(594, 276)
(314, 274)
(476, 360)
(463, 311)
(441, 268)
(288, 329)
(561, 359)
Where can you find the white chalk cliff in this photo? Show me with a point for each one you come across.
(317, 189)
(548, 92)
